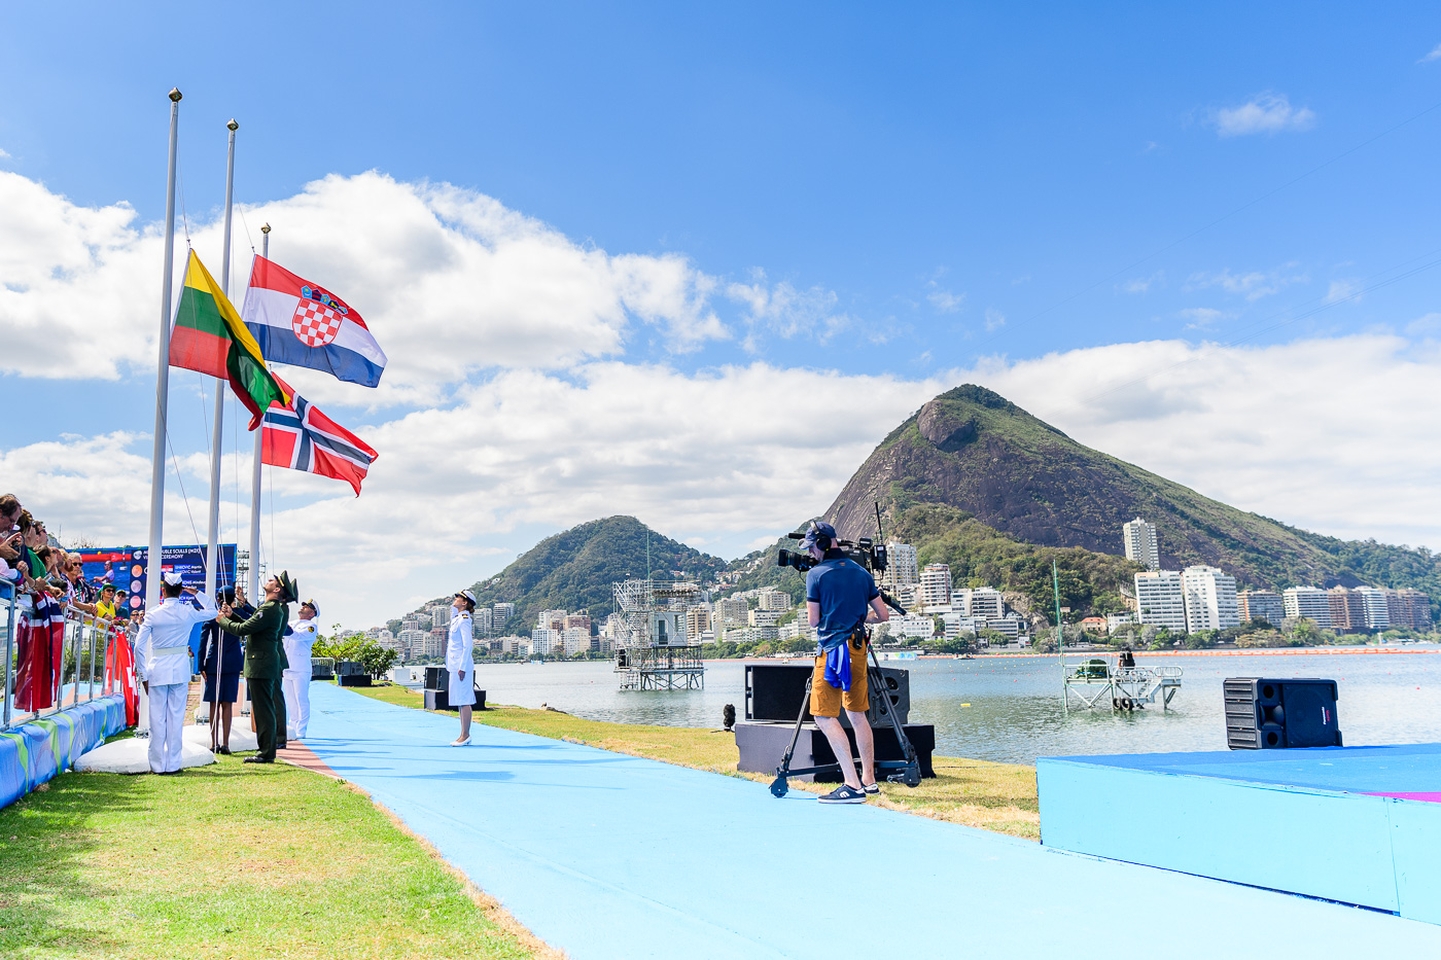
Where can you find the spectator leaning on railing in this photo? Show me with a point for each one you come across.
(47, 581)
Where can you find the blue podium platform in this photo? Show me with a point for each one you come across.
(1357, 825)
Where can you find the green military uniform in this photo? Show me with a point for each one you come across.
(264, 663)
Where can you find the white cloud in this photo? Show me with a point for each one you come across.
(1142, 284)
(944, 301)
(713, 459)
(1332, 435)
(1263, 113)
(1435, 54)
(1428, 324)
(1199, 318)
(1252, 285)
(449, 280)
(995, 319)
(1306, 432)
(785, 311)
(1346, 289)
(4, 155)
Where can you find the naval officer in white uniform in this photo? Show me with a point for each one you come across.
(460, 661)
(162, 656)
(295, 681)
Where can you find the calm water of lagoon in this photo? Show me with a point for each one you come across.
(1009, 708)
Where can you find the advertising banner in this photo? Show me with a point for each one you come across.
(126, 567)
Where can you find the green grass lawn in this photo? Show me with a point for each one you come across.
(230, 861)
(977, 793)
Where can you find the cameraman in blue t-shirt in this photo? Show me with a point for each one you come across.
(841, 598)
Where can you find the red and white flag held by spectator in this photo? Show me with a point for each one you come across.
(300, 437)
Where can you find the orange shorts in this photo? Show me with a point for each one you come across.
(826, 700)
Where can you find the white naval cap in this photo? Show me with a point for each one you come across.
(172, 578)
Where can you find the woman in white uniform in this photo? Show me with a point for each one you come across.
(460, 661)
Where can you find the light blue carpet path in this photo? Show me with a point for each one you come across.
(607, 856)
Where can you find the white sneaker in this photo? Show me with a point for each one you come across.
(462, 742)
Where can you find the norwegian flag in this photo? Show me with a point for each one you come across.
(300, 437)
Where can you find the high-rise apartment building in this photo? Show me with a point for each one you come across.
(551, 619)
(1141, 545)
(936, 585)
(978, 602)
(730, 612)
(440, 614)
(481, 621)
(575, 640)
(1161, 600)
(1261, 605)
(901, 566)
(499, 614)
(774, 600)
(1309, 602)
(1408, 609)
(544, 640)
(697, 621)
(1210, 599)
(1348, 609)
(1373, 602)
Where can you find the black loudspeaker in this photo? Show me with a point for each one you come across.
(349, 668)
(1267, 714)
(437, 678)
(353, 679)
(761, 746)
(774, 691)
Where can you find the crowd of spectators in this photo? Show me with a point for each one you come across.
(39, 569)
(47, 582)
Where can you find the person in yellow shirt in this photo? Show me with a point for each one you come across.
(105, 606)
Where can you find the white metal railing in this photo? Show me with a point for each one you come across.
(86, 665)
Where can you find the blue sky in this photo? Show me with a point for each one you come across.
(915, 192)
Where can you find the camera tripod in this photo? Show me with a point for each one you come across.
(907, 771)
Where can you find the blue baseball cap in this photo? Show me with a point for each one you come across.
(819, 529)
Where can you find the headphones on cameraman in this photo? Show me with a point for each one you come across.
(820, 539)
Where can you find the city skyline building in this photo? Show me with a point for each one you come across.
(1161, 600)
(1142, 545)
(1373, 602)
(1313, 603)
(936, 585)
(1409, 609)
(901, 566)
(1261, 605)
(1210, 599)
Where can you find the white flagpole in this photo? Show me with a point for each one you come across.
(162, 376)
(217, 433)
(212, 540)
(255, 473)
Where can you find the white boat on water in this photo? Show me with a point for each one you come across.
(899, 655)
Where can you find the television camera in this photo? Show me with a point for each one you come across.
(864, 551)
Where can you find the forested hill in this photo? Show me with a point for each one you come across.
(972, 468)
(574, 569)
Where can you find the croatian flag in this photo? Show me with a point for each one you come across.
(300, 437)
(303, 324)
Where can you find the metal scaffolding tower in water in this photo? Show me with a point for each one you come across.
(654, 653)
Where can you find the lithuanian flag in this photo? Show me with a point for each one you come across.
(209, 337)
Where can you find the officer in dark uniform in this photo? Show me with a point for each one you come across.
(265, 661)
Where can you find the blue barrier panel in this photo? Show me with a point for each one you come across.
(1359, 825)
(34, 752)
